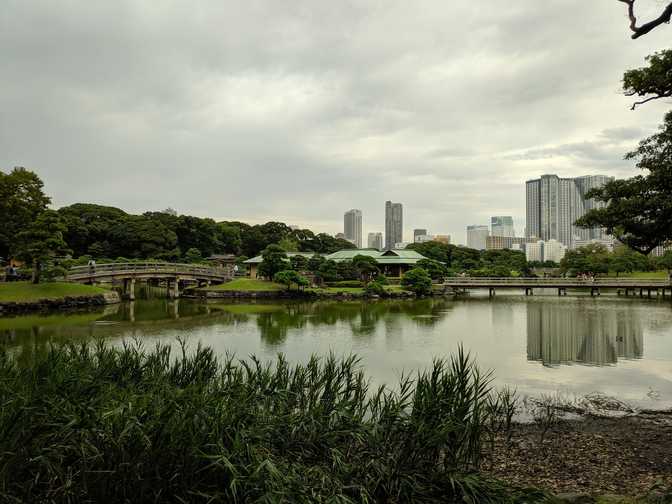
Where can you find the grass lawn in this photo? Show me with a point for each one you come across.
(247, 284)
(26, 291)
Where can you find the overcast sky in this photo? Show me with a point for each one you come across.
(299, 110)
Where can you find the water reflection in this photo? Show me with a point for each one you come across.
(586, 334)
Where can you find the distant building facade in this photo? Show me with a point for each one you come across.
(375, 241)
(507, 242)
(394, 224)
(502, 225)
(442, 239)
(417, 233)
(542, 251)
(476, 236)
(553, 204)
(352, 226)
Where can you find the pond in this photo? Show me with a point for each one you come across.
(542, 344)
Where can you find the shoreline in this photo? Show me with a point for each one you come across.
(64, 303)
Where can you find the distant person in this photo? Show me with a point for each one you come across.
(92, 267)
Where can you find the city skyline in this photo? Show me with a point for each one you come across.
(223, 127)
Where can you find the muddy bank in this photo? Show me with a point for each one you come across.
(64, 303)
(591, 455)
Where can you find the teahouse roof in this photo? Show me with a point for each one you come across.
(394, 256)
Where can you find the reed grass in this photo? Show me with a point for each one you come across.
(92, 423)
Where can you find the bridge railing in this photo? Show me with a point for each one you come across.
(559, 282)
(119, 269)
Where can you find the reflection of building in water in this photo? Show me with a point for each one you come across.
(558, 333)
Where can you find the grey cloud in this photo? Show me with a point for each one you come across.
(265, 110)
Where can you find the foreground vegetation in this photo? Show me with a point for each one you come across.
(97, 424)
(25, 292)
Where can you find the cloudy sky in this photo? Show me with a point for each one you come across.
(299, 110)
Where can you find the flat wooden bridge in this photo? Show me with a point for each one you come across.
(625, 286)
(173, 274)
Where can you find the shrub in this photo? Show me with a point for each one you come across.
(375, 289)
(99, 424)
(417, 280)
(345, 283)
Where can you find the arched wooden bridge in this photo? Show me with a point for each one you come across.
(128, 273)
(627, 286)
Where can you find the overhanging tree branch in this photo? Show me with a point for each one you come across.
(638, 31)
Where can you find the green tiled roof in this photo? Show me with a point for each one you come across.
(396, 256)
(258, 259)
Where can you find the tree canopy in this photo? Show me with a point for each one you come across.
(21, 201)
(638, 210)
(651, 82)
(42, 241)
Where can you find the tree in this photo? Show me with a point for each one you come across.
(665, 261)
(274, 259)
(21, 201)
(315, 262)
(417, 280)
(328, 271)
(299, 263)
(593, 258)
(434, 269)
(645, 28)
(42, 241)
(638, 210)
(193, 255)
(366, 266)
(653, 81)
(289, 244)
(288, 277)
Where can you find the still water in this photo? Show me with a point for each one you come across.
(544, 344)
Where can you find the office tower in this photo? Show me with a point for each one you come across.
(585, 184)
(375, 241)
(476, 236)
(502, 225)
(394, 224)
(352, 226)
(553, 204)
(417, 233)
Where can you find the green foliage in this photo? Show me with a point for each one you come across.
(417, 280)
(593, 258)
(345, 283)
(274, 260)
(102, 424)
(638, 210)
(375, 288)
(21, 201)
(289, 277)
(299, 263)
(650, 82)
(434, 269)
(328, 271)
(665, 261)
(366, 267)
(315, 262)
(289, 244)
(41, 242)
(455, 258)
(193, 255)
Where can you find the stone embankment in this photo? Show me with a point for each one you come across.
(64, 303)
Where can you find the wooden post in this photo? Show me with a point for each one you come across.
(131, 289)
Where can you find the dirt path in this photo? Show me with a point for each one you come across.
(625, 456)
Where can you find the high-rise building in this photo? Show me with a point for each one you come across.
(585, 184)
(542, 251)
(352, 226)
(476, 236)
(394, 224)
(375, 241)
(502, 225)
(553, 204)
(507, 242)
(417, 233)
(535, 251)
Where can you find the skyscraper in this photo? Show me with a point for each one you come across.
(502, 225)
(476, 236)
(352, 226)
(585, 184)
(553, 204)
(394, 224)
(375, 241)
